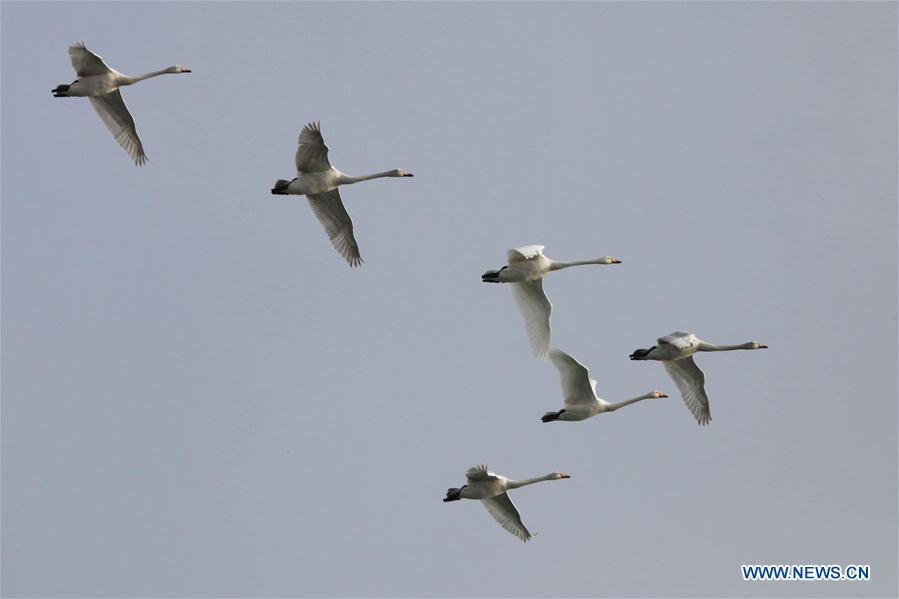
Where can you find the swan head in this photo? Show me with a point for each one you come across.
(177, 69)
(609, 260)
(558, 475)
(401, 173)
(657, 394)
(757, 345)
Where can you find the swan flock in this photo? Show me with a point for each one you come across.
(524, 272)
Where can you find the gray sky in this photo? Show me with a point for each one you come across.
(200, 398)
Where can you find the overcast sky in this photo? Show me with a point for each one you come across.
(200, 398)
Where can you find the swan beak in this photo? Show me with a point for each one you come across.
(564, 475)
(187, 71)
(762, 346)
(408, 175)
(660, 395)
(616, 261)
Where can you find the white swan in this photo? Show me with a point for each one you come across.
(526, 269)
(101, 84)
(318, 181)
(675, 351)
(491, 489)
(579, 390)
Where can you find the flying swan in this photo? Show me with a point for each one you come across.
(526, 269)
(491, 489)
(101, 84)
(318, 181)
(579, 390)
(675, 351)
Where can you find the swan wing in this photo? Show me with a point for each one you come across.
(690, 382)
(112, 110)
(524, 253)
(577, 386)
(536, 309)
(504, 511)
(480, 473)
(679, 339)
(312, 155)
(85, 62)
(337, 223)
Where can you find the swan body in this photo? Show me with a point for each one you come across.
(100, 83)
(318, 181)
(525, 270)
(675, 351)
(490, 488)
(579, 391)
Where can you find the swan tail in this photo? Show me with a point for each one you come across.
(280, 187)
(492, 276)
(453, 495)
(641, 354)
(550, 416)
(60, 91)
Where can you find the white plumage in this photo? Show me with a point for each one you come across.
(318, 181)
(525, 270)
(675, 351)
(579, 391)
(101, 83)
(491, 489)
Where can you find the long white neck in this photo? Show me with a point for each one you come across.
(614, 406)
(128, 80)
(703, 346)
(556, 265)
(514, 484)
(349, 179)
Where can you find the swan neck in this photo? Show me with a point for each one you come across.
(128, 80)
(350, 179)
(712, 347)
(514, 484)
(557, 265)
(614, 406)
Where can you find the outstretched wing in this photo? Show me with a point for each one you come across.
(111, 108)
(536, 309)
(312, 155)
(503, 511)
(690, 382)
(524, 253)
(85, 62)
(577, 386)
(679, 339)
(337, 223)
(480, 473)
